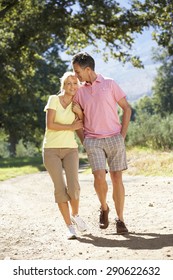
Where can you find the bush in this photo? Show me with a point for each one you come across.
(4, 146)
(26, 150)
(151, 131)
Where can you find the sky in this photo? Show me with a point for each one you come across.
(134, 81)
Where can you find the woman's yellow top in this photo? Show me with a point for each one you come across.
(61, 138)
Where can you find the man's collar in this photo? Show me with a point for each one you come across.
(98, 80)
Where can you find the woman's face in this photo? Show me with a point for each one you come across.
(71, 85)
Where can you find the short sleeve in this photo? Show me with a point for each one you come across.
(117, 91)
(52, 103)
(76, 98)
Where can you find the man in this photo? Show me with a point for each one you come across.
(104, 135)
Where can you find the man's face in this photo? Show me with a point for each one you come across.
(81, 73)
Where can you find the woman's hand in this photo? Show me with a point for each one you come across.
(77, 124)
(77, 110)
(52, 125)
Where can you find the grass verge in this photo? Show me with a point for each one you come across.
(141, 161)
(147, 162)
(13, 167)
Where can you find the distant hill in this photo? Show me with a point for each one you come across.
(135, 82)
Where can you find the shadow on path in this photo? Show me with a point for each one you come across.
(133, 241)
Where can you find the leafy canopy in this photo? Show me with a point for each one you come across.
(34, 32)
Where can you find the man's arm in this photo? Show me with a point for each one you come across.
(126, 115)
(76, 108)
(80, 134)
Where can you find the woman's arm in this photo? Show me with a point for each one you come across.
(52, 125)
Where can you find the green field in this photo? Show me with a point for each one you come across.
(140, 162)
(12, 167)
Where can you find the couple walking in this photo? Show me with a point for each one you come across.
(91, 110)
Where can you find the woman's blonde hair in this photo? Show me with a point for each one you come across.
(64, 77)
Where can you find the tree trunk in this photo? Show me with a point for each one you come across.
(12, 146)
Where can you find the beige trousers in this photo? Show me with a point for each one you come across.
(62, 165)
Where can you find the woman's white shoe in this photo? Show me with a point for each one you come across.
(77, 220)
(71, 233)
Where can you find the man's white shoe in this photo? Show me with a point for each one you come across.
(71, 233)
(77, 220)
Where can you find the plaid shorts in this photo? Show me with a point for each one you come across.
(110, 150)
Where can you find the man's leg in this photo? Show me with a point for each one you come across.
(101, 189)
(97, 160)
(119, 198)
(118, 192)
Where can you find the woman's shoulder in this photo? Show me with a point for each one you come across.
(53, 102)
(54, 97)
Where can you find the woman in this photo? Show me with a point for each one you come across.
(60, 152)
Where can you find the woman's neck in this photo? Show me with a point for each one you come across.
(65, 100)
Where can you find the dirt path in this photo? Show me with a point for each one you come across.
(32, 228)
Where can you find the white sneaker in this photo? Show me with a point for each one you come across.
(77, 220)
(71, 233)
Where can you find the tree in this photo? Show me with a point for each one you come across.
(31, 27)
(159, 15)
(145, 106)
(30, 72)
(33, 30)
(22, 115)
(152, 125)
(163, 84)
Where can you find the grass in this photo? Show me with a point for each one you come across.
(147, 162)
(141, 161)
(12, 167)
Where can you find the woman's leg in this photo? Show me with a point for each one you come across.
(53, 164)
(71, 165)
(64, 209)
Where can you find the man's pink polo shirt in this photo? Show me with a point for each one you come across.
(99, 104)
